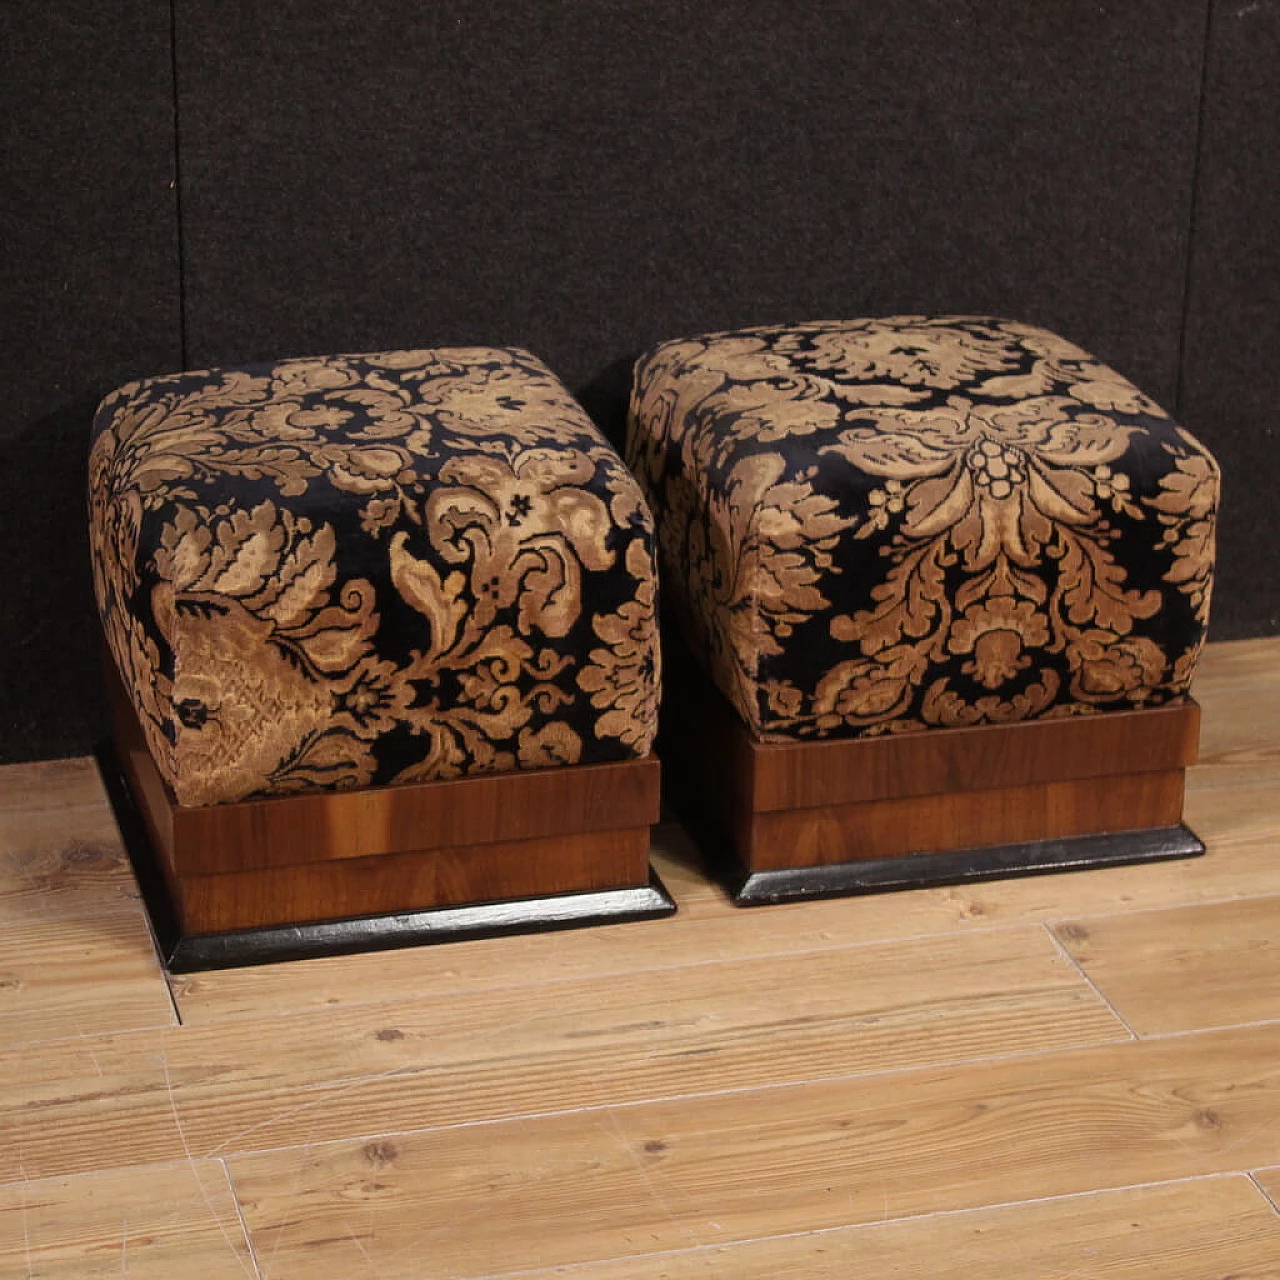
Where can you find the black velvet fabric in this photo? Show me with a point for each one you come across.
(371, 569)
(888, 525)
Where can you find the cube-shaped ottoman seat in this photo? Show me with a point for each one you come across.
(382, 640)
(935, 588)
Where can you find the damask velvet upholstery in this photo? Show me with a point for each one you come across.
(371, 569)
(891, 525)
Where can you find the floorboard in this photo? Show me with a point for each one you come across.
(1186, 968)
(676, 1174)
(78, 977)
(1200, 1229)
(541, 1048)
(155, 1223)
(57, 863)
(50, 784)
(90, 1104)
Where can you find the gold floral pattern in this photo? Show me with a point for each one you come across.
(370, 569)
(889, 525)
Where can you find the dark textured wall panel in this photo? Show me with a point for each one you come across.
(88, 298)
(586, 178)
(1231, 378)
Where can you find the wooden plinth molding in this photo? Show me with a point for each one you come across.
(766, 807)
(400, 850)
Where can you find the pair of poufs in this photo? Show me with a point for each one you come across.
(383, 630)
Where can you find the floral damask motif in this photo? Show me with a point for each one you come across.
(989, 524)
(273, 677)
(370, 569)
(1001, 632)
(906, 359)
(1186, 505)
(622, 679)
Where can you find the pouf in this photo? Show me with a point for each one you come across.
(950, 577)
(382, 631)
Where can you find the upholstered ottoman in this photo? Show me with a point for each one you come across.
(949, 579)
(382, 638)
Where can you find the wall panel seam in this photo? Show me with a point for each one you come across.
(1193, 212)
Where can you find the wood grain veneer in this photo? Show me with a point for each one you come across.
(963, 819)
(445, 876)
(982, 758)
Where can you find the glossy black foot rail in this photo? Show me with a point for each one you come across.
(960, 866)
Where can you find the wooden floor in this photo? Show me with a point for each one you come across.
(1068, 1076)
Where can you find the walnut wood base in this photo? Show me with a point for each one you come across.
(324, 872)
(184, 950)
(940, 806)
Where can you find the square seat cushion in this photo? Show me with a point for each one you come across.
(889, 525)
(370, 569)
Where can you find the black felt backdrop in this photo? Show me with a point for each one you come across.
(588, 178)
